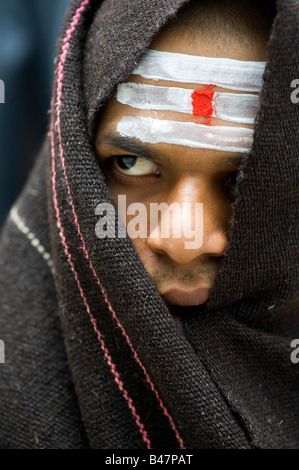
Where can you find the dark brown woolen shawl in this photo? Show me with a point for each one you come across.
(228, 381)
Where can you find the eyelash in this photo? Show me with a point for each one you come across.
(126, 179)
(112, 161)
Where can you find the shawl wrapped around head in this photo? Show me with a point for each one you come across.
(93, 357)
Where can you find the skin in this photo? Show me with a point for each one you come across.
(178, 174)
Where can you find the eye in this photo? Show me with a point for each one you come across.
(135, 166)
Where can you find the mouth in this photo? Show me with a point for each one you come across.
(187, 298)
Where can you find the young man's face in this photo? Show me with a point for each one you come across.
(169, 173)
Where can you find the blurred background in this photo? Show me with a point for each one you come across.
(29, 30)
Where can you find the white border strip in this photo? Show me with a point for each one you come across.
(224, 73)
(154, 131)
(34, 241)
(232, 107)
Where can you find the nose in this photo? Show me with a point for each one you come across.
(191, 207)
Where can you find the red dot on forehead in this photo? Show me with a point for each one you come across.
(202, 102)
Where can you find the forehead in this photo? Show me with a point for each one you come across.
(167, 41)
(250, 49)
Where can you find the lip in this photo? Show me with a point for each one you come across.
(185, 298)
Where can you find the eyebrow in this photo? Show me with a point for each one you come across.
(133, 146)
(129, 145)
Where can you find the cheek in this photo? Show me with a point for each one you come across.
(140, 242)
(137, 220)
(141, 247)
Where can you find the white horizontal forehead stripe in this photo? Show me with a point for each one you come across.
(225, 73)
(233, 107)
(154, 131)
